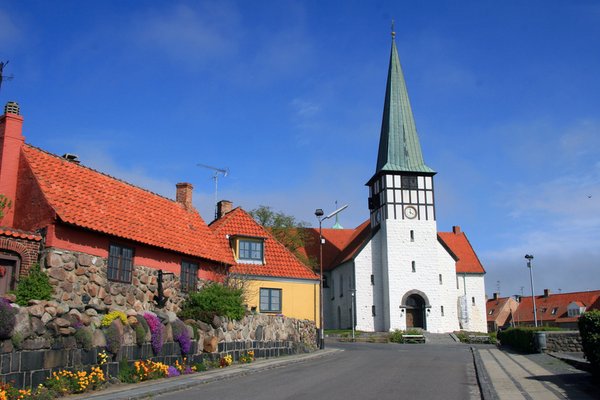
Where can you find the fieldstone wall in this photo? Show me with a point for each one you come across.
(568, 341)
(47, 338)
(80, 280)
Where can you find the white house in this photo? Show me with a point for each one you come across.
(396, 271)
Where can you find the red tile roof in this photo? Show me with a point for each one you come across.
(19, 234)
(559, 301)
(457, 242)
(89, 199)
(279, 261)
(342, 245)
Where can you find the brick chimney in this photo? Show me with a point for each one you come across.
(184, 194)
(546, 292)
(456, 229)
(496, 296)
(223, 207)
(11, 141)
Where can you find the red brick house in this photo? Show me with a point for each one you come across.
(104, 239)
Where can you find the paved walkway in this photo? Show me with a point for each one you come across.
(508, 376)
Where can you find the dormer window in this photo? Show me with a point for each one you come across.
(250, 250)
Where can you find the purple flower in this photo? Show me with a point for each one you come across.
(156, 328)
(172, 371)
(184, 341)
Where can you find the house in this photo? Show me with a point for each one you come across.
(396, 271)
(275, 281)
(560, 310)
(500, 312)
(102, 240)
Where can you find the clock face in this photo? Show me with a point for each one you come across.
(410, 212)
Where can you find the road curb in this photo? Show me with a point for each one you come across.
(144, 390)
(483, 379)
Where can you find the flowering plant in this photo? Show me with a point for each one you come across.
(145, 370)
(247, 357)
(66, 382)
(102, 357)
(111, 316)
(156, 328)
(226, 361)
(182, 336)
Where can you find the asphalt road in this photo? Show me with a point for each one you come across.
(361, 371)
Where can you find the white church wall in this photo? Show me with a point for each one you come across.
(339, 300)
(475, 301)
(367, 294)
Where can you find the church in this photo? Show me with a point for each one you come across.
(396, 271)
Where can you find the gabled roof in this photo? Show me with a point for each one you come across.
(342, 245)
(88, 199)
(457, 241)
(499, 307)
(560, 301)
(399, 147)
(279, 261)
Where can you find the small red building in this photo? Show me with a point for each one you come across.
(104, 240)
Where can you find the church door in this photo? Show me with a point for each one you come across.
(415, 312)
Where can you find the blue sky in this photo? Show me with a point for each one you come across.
(289, 97)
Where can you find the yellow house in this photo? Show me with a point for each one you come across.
(275, 281)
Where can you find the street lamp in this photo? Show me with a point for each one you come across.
(529, 257)
(319, 214)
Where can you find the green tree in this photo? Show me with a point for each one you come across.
(286, 229)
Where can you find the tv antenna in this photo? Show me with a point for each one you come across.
(2, 77)
(215, 177)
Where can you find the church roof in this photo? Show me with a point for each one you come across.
(399, 147)
(342, 245)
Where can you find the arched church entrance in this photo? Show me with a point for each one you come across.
(415, 312)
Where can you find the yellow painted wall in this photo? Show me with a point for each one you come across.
(298, 300)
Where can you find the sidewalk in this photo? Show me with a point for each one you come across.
(147, 389)
(508, 375)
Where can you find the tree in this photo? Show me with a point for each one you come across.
(286, 229)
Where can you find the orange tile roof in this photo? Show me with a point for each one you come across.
(19, 234)
(279, 261)
(559, 301)
(89, 199)
(457, 242)
(342, 245)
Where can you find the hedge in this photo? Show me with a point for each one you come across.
(589, 328)
(523, 338)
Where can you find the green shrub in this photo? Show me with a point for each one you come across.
(589, 328)
(126, 372)
(522, 338)
(34, 286)
(140, 334)
(83, 336)
(214, 299)
(396, 336)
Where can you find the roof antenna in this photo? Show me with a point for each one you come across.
(2, 77)
(217, 171)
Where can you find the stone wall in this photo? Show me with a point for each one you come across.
(45, 339)
(80, 280)
(568, 341)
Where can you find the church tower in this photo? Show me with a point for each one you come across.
(414, 272)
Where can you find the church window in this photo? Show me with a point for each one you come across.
(441, 282)
(442, 310)
(373, 310)
(412, 236)
(341, 286)
(409, 182)
(414, 266)
(473, 300)
(372, 279)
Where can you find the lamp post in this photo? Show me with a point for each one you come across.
(319, 214)
(529, 257)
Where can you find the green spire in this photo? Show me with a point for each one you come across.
(399, 148)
